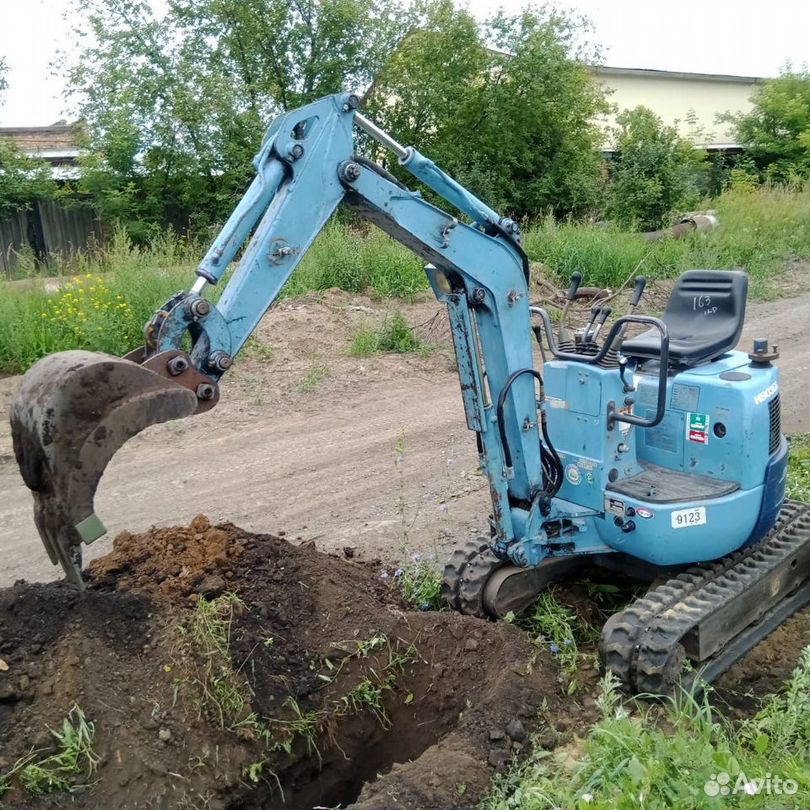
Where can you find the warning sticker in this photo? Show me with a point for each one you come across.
(698, 437)
(697, 427)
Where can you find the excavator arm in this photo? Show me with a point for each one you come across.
(73, 410)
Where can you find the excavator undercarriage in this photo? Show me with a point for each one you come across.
(694, 622)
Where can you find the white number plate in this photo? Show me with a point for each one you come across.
(683, 518)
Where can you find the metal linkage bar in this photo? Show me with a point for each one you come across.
(613, 414)
(382, 138)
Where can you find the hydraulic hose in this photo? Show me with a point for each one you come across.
(552, 466)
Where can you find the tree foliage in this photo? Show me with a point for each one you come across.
(506, 106)
(22, 179)
(776, 132)
(176, 103)
(652, 171)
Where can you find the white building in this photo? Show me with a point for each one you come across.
(690, 101)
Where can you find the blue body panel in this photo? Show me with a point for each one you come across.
(743, 452)
(773, 492)
(731, 444)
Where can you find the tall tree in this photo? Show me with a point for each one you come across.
(176, 104)
(508, 107)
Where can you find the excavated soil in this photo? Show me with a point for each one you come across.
(457, 695)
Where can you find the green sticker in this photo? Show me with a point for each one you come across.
(698, 421)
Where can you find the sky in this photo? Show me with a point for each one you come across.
(715, 36)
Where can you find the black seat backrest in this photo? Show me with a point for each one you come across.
(708, 304)
(704, 317)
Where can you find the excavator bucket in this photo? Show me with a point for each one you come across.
(72, 412)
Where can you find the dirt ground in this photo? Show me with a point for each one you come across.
(366, 458)
(346, 696)
(371, 453)
(222, 669)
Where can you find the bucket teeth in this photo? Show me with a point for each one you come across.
(72, 412)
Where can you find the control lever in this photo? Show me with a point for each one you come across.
(604, 314)
(638, 290)
(564, 333)
(595, 309)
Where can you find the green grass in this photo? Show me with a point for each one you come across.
(358, 260)
(798, 483)
(103, 309)
(759, 231)
(225, 694)
(318, 373)
(640, 757)
(555, 627)
(57, 772)
(130, 283)
(420, 582)
(392, 335)
(367, 695)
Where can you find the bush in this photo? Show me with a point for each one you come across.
(393, 335)
(776, 132)
(652, 171)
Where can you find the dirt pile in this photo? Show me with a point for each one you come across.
(224, 669)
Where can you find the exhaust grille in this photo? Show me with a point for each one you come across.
(775, 415)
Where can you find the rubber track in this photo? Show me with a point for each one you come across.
(455, 568)
(474, 580)
(627, 645)
(664, 634)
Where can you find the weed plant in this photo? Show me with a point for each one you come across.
(679, 757)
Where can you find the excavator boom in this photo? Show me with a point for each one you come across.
(74, 410)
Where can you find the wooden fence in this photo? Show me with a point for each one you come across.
(47, 229)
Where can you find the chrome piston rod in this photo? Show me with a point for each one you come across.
(382, 138)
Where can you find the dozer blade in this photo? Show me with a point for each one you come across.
(72, 412)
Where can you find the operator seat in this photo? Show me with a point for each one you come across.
(704, 317)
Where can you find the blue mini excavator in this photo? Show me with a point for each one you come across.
(658, 455)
